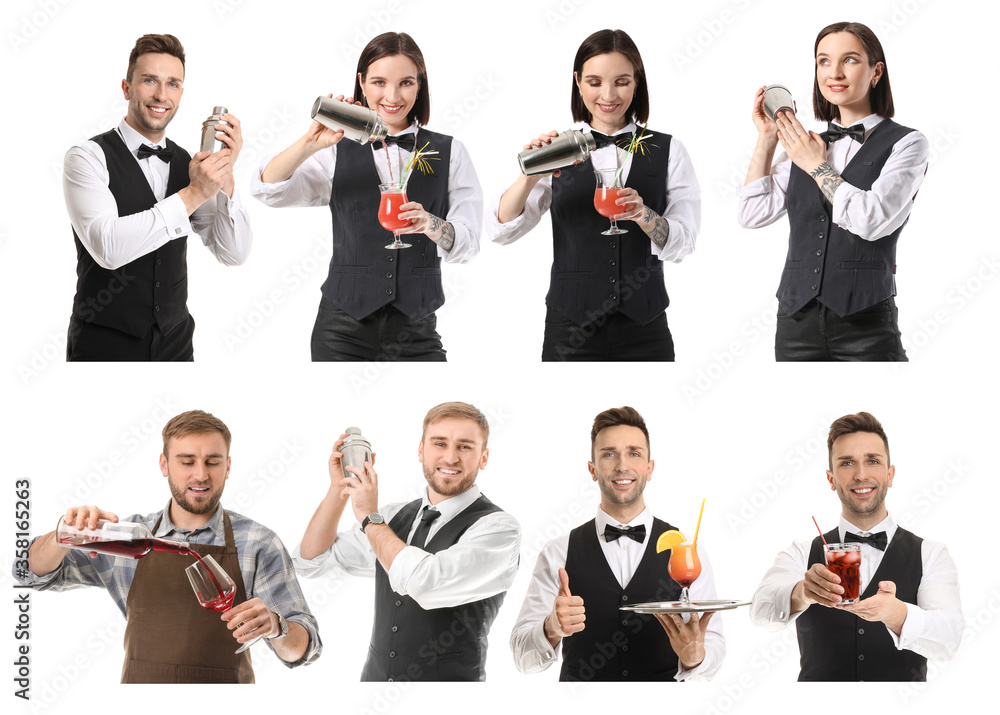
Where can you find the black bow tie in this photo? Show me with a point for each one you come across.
(403, 141)
(158, 151)
(603, 140)
(879, 540)
(835, 132)
(636, 533)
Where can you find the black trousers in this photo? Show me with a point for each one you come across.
(385, 335)
(87, 342)
(613, 339)
(816, 333)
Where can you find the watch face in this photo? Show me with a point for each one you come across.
(376, 518)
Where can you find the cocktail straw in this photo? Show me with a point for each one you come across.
(699, 522)
(821, 534)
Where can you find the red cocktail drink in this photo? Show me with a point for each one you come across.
(388, 211)
(604, 202)
(845, 561)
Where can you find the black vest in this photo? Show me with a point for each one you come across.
(152, 288)
(618, 645)
(837, 645)
(364, 275)
(593, 275)
(844, 272)
(442, 644)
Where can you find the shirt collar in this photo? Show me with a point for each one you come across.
(133, 139)
(869, 123)
(412, 129)
(645, 518)
(216, 525)
(888, 525)
(628, 128)
(452, 506)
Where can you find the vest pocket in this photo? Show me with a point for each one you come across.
(572, 275)
(861, 266)
(426, 271)
(348, 269)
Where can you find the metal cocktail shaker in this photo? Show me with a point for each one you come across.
(776, 98)
(570, 147)
(360, 124)
(208, 140)
(356, 450)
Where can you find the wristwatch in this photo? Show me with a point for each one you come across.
(283, 626)
(373, 518)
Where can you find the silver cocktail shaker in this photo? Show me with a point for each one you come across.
(208, 140)
(776, 98)
(356, 450)
(360, 124)
(570, 147)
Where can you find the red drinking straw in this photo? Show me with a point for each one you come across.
(821, 534)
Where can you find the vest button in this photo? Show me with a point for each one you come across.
(812, 287)
(861, 656)
(157, 308)
(392, 654)
(389, 258)
(613, 244)
(822, 218)
(624, 673)
(158, 261)
(624, 648)
(624, 598)
(613, 297)
(816, 269)
(861, 631)
(388, 292)
(399, 603)
(388, 275)
(157, 284)
(395, 628)
(612, 280)
(390, 680)
(819, 253)
(611, 262)
(819, 235)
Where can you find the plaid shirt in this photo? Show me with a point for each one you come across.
(267, 569)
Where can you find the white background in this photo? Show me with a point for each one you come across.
(726, 422)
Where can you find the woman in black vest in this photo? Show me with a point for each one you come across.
(379, 303)
(607, 298)
(848, 193)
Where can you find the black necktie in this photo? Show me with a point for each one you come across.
(603, 140)
(406, 142)
(158, 151)
(424, 527)
(835, 132)
(636, 533)
(879, 540)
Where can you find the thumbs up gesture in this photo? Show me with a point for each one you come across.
(567, 616)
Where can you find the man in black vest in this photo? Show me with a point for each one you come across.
(581, 580)
(133, 198)
(442, 564)
(908, 584)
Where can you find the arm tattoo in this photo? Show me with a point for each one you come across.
(831, 180)
(660, 231)
(447, 232)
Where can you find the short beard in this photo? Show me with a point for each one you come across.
(459, 487)
(180, 497)
(615, 497)
(876, 504)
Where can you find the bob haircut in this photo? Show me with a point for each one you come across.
(603, 42)
(386, 45)
(880, 95)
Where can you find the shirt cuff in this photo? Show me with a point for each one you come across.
(28, 578)
(540, 644)
(500, 231)
(760, 187)
(841, 200)
(230, 205)
(309, 568)
(783, 604)
(175, 217)
(403, 566)
(913, 627)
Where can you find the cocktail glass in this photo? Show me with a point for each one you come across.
(393, 196)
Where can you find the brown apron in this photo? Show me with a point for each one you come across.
(169, 637)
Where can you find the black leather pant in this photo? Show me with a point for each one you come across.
(816, 333)
(385, 335)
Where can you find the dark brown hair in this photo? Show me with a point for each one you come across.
(603, 42)
(614, 417)
(386, 45)
(459, 410)
(195, 422)
(162, 44)
(880, 95)
(849, 424)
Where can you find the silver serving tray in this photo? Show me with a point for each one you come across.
(678, 607)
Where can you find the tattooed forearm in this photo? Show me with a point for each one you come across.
(656, 227)
(828, 179)
(442, 233)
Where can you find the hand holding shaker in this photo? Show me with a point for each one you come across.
(356, 450)
(776, 98)
(569, 148)
(208, 140)
(360, 124)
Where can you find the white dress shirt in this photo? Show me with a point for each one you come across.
(870, 214)
(312, 183)
(114, 240)
(683, 212)
(933, 627)
(533, 652)
(481, 564)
